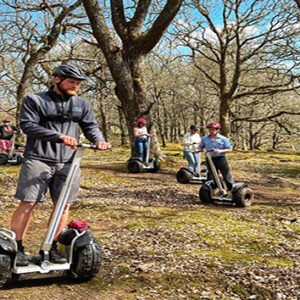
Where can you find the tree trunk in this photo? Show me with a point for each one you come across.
(122, 128)
(126, 64)
(103, 118)
(224, 116)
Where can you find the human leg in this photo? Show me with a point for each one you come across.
(32, 185)
(63, 220)
(56, 186)
(55, 255)
(196, 163)
(225, 171)
(21, 219)
(139, 148)
(145, 149)
(19, 224)
(191, 160)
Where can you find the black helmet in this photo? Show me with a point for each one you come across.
(69, 71)
(194, 127)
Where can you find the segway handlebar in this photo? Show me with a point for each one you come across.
(63, 198)
(91, 146)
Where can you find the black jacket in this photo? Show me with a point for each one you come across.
(45, 116)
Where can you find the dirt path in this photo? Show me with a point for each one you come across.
(159, 242)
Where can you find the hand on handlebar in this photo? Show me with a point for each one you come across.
(103, 146)
(69, 141)
(217, 151)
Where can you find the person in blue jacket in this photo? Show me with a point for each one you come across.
(51, 120)
(218, 145)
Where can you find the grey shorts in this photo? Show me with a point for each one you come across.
(36, 177)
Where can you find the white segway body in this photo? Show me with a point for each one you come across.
(185, 175)
(137, 165)
(80, 248)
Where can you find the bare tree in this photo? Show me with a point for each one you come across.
(297, 2)
(32, 29)
(136, 33)
(244, 48)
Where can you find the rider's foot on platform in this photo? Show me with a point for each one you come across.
(21, 259)
(56, 257)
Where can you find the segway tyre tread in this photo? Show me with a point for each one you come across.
(87, 262)
(134, 166)
(205, 195)
(184, 176)
(3, 159)
(243, 197)
(156, 166)
(5, 263)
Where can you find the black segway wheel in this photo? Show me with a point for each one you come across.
(205, 194)
(184, 175)
(87, 262)
(156, 166)
(5, 262)
(18, 159)
(243, 197)
(3, 159)
(135, 166)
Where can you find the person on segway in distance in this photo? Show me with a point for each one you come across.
(141, 135)
(6, 134)
(51, 121)
(191, 142)
(218, 145)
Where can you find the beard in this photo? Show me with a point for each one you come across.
(70, 92)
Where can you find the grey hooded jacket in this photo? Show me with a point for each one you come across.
(45, 116)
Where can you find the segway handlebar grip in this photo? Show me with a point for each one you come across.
(90, 146)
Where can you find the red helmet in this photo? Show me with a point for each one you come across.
(6, 120)
(216, 125)
(141, 121)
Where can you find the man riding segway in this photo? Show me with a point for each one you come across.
(51, 121)
(216, 146)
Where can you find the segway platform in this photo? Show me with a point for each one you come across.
(137, 165)
(185, 175)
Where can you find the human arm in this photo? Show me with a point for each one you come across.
(186, 140)
(30, 118)
(141, 132)
(201, 146)
(224, 147)
(218, 151)
(90, 129)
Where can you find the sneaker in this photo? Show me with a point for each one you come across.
(56, 257)
(21, 259)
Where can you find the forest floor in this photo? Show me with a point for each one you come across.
(160, 242)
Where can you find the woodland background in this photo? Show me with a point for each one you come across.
(176, 63)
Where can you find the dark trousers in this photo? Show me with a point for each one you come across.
(222, 166)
